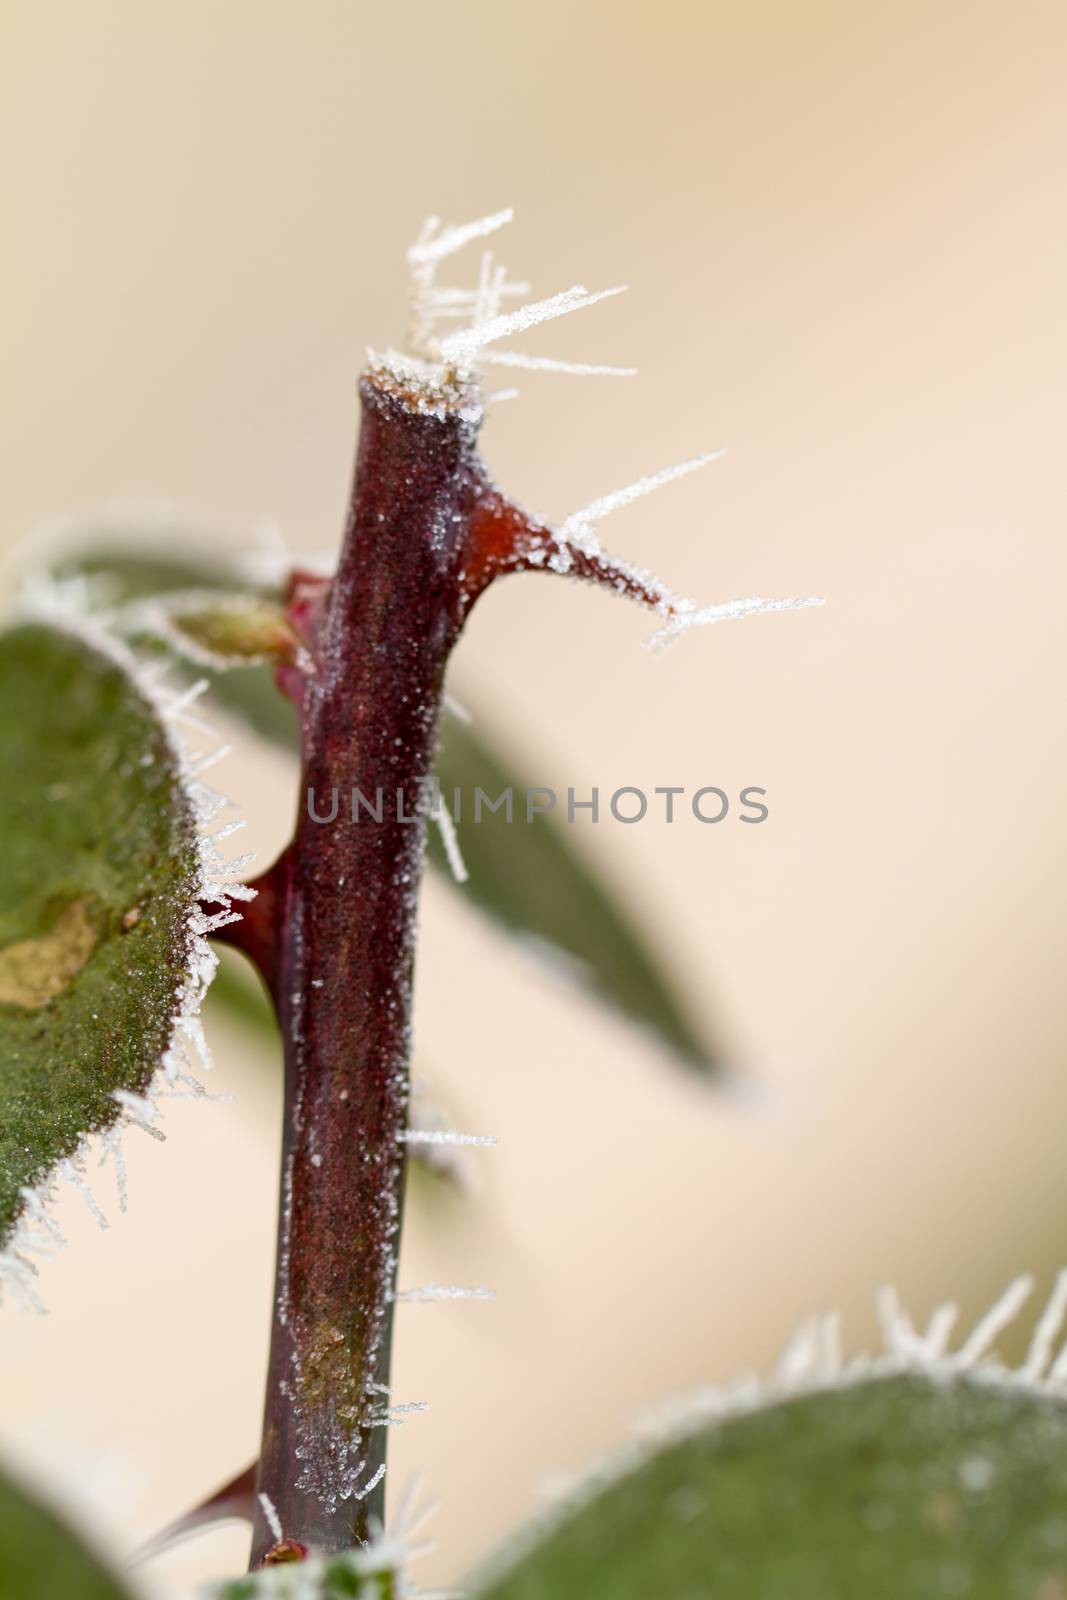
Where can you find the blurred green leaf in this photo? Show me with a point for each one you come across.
(894, 1488)
(355, 1575)
(98, 876)
(237, 991)
(41, 1559)
(527, 876)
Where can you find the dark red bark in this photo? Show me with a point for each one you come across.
(427, 532)
(369, 711)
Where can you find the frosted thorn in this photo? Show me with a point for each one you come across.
(1047, 1331)
(995, 1321)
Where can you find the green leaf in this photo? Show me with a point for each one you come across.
(528, 877)
(99, 876)
(118, 572)
(355, 1575)
(914, 1485)
(41, 1559)
(238, 993)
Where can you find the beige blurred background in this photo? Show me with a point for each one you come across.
(844, 230)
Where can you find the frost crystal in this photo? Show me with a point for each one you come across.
(444, 1136)
(450, 839)
(580, 520)
(444, 1291)
(432, 359)
(270, 1514)
(440, 372)
(464, 347)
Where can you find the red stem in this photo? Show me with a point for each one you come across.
(369, 718)
(333, 930)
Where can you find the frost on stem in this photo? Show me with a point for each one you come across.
(440, 371)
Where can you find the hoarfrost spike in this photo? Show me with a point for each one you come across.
(444, 1291)
(450, 839)
(1047, 1330)
(432, 246)
(445, 1136)
(526, 363)
(607, 503)
(996, 1319)
(273, 1522)
(939, 1330)
(465, 346)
